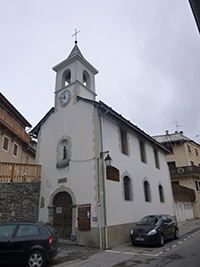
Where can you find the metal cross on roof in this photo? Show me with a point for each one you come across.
(75, 34)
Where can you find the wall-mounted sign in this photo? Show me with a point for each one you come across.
(84, 217)
(58, 210)
(62, 180)
(112, 173)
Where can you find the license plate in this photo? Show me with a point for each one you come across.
(139, 239)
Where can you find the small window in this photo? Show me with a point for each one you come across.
(67, 77)
(142, 152)
(27, 160)
(169, 147)
(192, 162)
(161, 193)
(5, 143)
(147, 191)
(189, 148)
(27, 230)
(123, 136)
(196, 152)
(169, 219)
(156, 158)
(127, 188)
(197, 183)
(15, 150)
(171, 165)
(6, 231)
(86, 79)
(164, 219)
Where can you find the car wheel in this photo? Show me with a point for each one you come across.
(161, 240)
(176, 234)
(36, 259)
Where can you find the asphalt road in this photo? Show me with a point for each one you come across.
(184, 253)
(175, 253)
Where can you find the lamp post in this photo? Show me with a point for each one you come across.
(107, 161)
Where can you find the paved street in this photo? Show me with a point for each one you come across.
(183, 252)
(174, 252)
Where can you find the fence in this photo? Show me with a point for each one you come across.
(16, 172)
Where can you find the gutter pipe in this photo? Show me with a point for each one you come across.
(103, 176)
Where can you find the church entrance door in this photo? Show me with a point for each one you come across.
(63, 214)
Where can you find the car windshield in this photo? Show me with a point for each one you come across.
(149, 220)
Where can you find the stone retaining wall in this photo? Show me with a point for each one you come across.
(19, 201)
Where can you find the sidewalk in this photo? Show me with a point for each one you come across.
(188, 226)
(72, 254)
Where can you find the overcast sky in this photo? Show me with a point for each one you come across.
(147, 53)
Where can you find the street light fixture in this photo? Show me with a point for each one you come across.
(108, 160)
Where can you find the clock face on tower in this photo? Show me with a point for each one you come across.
(65, 98)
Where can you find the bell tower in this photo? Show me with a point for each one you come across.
(76, 75)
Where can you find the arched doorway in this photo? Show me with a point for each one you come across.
(63, 214)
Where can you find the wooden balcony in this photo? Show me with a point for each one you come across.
(16, 172)
(183, 192)
(185, 170)
(7, 120)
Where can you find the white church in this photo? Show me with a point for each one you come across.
(100, 173)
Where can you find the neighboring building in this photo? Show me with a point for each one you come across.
(16, 146)
(184, 166)
(19, 176)
(195, 6)
(83, 198)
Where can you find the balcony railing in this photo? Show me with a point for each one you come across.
(16, 172)
(183, 192)
(13, 125)
(185, 170)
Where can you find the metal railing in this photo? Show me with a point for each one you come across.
(185, 170)
(17, 172)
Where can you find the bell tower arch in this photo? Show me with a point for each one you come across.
(75, 74)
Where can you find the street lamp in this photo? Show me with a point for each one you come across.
(108, 160)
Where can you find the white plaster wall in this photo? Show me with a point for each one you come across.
(75, 121)
(120, 211)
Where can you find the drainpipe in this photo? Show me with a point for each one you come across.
(103, 176)
(99, 207)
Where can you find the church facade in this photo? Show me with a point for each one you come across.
(100, 173)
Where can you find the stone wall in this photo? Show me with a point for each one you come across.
(19, 201)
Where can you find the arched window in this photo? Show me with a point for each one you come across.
(86, 79)
(147, 191)
(161, 193)
(67, 77)
(127, 188)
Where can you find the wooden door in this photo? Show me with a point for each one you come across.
(63, 214)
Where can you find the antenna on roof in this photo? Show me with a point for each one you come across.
(177, 126)
(75, 34)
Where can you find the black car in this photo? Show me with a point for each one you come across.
(31, 243)
(154, 229)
